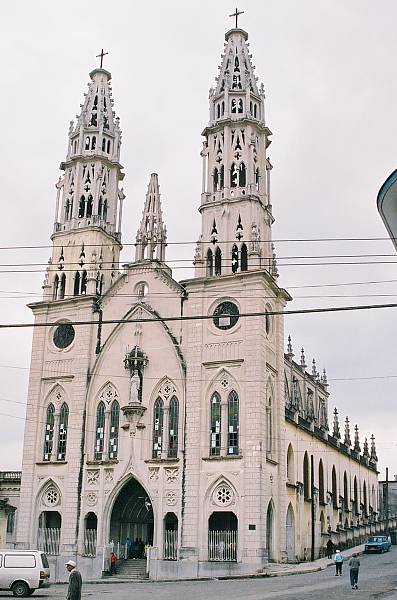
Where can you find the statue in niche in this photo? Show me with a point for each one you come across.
(135, 386)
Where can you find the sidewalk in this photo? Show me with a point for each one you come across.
(278, 570)
(273, 570)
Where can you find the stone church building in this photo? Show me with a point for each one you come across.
(167, 411)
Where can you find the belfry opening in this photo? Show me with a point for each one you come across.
(132, 515)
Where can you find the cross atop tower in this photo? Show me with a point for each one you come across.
(236, 14)
(102, 54)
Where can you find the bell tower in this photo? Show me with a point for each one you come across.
(235, 201)
(87, 228)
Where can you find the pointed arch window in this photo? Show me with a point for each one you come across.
(87, 143)
(321, 487)
(255, 111)
(234, 259)
(100, 206)
(83, 282)
(62, 287)
(55, 288)
(233, 176)
(218, 261)
(240, 105)
(158, 420)
(334, 490)
(49, 432)
(173, 423)
(355, 502)
(218, 111)
(93, 142)
(244, 258)
(257, 179)
(76, 287)
(67, 210)
(105, 210)
(223, 108)
(103, 145)
(215, 177)
(89, 206)
(234, 106)
(222, 177)
(290, 465)
(306, 477)
(114, 430)
(82, 207)
(269, 425)
(210, 263)
(99, 431)
(242, 175)
(345, 491)
(233, 423)
(108, 147)
(63, 431)
(215, 425)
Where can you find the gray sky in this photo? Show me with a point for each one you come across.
(328, 69)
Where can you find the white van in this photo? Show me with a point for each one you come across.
(23, 571)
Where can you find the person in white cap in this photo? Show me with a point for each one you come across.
(75, 581)
(338, 560)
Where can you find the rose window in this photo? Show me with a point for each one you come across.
(51, 497)
(223, 495)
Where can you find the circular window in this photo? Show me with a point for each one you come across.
(223, 495)
(225, 315)
(51, 496)
(64, 335)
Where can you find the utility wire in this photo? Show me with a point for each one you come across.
(202, 317)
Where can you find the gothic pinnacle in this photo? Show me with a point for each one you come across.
(290, 352)
(366, 449)
(336, 430)
(347, 440)
(151, 236)
(303, 360)
(357, 447)
(373, 449)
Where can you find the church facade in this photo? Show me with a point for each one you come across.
(168, 412)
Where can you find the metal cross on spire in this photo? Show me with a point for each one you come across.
(236, 14)
(101, 55)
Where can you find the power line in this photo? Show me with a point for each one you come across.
(202, 317)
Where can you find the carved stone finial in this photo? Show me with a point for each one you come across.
(366, 449)
(336, 430)
(303, 360)
(274, 262)
(347, 440)
(323, 379)
(314, 369)
(290, 351)
(357, 447)
(373, 449)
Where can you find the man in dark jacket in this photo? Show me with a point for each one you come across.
(354, 565)
(75, 581)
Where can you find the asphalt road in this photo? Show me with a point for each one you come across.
(378, 580)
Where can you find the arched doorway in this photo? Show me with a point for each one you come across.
(290, 534)
(222, 536)
(170, 549)
(132, 518)
(270, 531)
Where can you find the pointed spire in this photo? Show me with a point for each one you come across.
(347, 441)
(314, 369)
(357, 447)
(303, 360)
(290, 352)
(323, 379)
(152, 235)
(366, 449)
(373, 449)
(336, 430)
(274, 269)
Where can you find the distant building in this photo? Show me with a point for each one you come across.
(388, 498)
(10, 483)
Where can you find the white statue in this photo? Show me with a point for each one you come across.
(135, 385)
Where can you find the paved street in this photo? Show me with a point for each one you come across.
(378, 579)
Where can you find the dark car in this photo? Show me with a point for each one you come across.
(377, 543)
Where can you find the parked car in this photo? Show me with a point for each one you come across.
(378, 543)
(23, 571)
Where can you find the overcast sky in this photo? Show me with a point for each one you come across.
(329, 72)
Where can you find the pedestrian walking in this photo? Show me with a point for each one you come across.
(75, 581)
(330, 548)
(338, 560)
(113, 562)
(354, 565)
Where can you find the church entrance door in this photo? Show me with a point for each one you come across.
(131, 521)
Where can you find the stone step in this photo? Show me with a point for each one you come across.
(131, 569)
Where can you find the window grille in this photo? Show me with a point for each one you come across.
(173, 428)
(63, 431)
(49, 433)
(233, 418)
(158, 417)
(215, 435)
(114, 430)
(99, 431)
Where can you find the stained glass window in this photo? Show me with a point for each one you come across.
(114, 430)
(173, 428)
(99, 431)
(158, 417)
(215, 432)
(233, 423)
(63, 431)
(49, 432)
